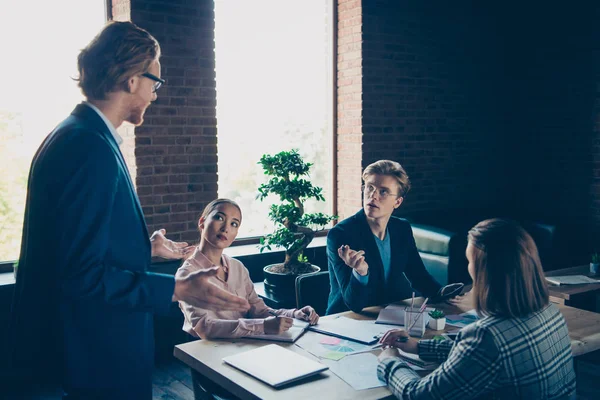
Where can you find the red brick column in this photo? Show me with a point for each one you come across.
(175, 163)
(349, 107)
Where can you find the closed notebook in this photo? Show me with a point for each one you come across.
(570, 280)
(393, 314)
(275, 365)
(290, 336)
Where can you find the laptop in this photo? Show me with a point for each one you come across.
(275, 365)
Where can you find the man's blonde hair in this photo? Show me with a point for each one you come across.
(390, 168)
(120, 51)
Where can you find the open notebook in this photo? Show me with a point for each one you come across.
(275, 365)
(290, 335)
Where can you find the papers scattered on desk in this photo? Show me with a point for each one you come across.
(290, 336)
(462, 320)
(329, 347)
(394, 315)
(358, 371)
(570, 280)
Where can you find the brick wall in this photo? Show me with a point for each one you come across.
(176, 147)
(486, 108)
(349, 106)
(429, 81)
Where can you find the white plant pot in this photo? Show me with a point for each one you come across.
(594, 268)
(437, 324)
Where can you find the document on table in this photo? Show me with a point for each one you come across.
(366, 332)
(571, 280)
(290, 336)
(358, 371)
(330, 347)
(462, 320)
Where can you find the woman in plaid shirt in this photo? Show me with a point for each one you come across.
(519, 349)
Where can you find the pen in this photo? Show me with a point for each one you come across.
(273, 313)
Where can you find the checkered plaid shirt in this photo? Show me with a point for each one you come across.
(509, 358)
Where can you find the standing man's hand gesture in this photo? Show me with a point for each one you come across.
(354, 259)
(197, 290)
(166, 248)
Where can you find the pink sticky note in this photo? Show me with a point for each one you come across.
(330, 340)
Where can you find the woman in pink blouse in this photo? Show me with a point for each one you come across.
(218, 225)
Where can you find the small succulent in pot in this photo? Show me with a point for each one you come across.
(437, 314)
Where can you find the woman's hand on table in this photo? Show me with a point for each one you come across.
(400, 339)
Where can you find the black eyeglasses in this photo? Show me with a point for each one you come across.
(158, 82)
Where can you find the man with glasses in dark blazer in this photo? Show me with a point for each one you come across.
(84, 299)
(372, 255)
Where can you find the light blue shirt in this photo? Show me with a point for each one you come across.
(385, 252)
(110, 126)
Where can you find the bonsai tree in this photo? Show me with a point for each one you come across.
(295, 229)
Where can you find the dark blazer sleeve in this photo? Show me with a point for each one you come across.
(85, 210)
(415, 271)
(354, 294)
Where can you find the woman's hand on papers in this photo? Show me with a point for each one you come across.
(307, 313)
(390, 352)
(463, 302)
(399, 338)
(354, 259)
(277, 325)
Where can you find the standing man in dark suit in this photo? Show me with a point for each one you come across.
(372, 255)
(84, 299)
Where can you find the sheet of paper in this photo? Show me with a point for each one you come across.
(462, 320)
(330, 340)
(323, 347)
(358, 371)
(571, 280)
(366, 332)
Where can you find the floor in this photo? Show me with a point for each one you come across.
(172, 381)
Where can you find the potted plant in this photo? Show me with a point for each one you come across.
(594, 263)
(295, 229)
(438, 320)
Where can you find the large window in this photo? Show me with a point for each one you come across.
(274, 65)
(39, 43)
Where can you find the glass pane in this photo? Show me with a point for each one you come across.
(274, 69)
(37, 91)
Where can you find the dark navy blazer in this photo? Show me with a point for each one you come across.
(347, 293)
(83, 291)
